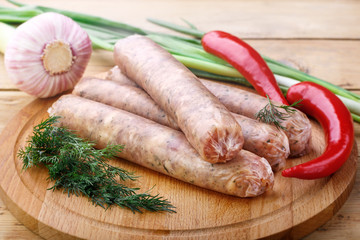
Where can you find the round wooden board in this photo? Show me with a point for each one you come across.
(293, 209)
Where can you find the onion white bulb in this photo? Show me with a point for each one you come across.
(47, 55)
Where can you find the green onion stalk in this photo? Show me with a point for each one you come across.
(188, 50)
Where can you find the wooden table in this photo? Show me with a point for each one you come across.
(320, 37)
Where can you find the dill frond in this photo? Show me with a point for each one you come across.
(272, 113)
(77, 168)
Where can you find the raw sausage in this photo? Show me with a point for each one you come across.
(126, 97)
(207, 124)
(161, 148)
(260, 138)
(115, 74)
(298, 127)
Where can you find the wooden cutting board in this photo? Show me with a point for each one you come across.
(293, 209)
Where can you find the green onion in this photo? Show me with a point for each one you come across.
(207, 66)
(350, 103)
(213, 76)
(104, 34)
(99, 44)
(192, 31)
(85, 18)
(355, 117)
(18, 15)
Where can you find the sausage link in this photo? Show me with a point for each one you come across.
(115, 74)
(260, 138)
(162, 149)
(126, 97)
(298, 127)
(207, 124)
(265, 140)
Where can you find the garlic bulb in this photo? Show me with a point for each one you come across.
(47, 55)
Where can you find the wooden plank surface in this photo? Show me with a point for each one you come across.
(247, 18)
(305, 204)
(321, 37)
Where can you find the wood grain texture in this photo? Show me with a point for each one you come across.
(290, 30)
(293, 209)
(246, 18)
(10, 104)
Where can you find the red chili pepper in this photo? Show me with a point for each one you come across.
(246, 60)
(337, 123)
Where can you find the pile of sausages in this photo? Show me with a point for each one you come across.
(197, 131)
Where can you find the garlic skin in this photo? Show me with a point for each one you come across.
(47, 55)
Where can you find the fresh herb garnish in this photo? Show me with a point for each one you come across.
(78, 168)
(271, 113)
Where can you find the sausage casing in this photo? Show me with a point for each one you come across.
(262, 139)
(161, 148)
(125, 97)
(206, 123)
(298, 127)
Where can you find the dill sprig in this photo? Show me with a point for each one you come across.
(76, 167)
(272, 113)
